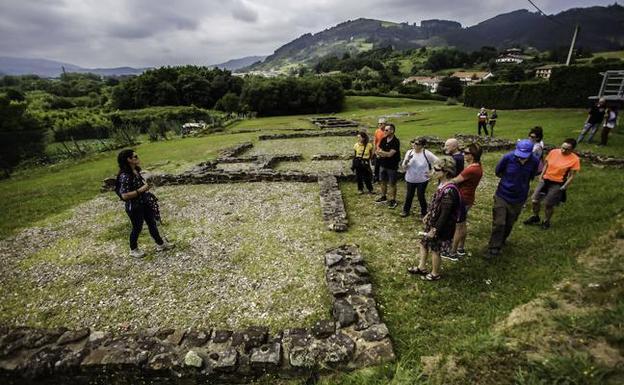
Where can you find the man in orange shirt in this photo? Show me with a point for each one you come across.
(379, 135)
(560, 167)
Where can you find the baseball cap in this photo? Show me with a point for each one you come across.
(524, 148)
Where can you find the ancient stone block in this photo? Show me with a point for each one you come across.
(323, 328)
(176, 337)
(72, 336)
(343, 313)
(332, 258)
(223, 360)
(196, 338)
(163, 361)
(375, 332)
(221, 336)
(251, 337)
(268, 355)
(374, 354)
(193, 359)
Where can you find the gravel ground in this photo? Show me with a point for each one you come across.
(317, 166)
(305, 146)
(242, 258)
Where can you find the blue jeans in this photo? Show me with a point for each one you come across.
(592, 128)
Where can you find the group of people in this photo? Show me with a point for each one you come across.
(457, 174)
(484, 120)
(600, 115)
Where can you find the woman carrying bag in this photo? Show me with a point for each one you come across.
(361, 162)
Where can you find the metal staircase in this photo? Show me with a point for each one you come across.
(612, 88)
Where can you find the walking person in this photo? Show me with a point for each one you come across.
(593, 121)
(389, 156)
(418, 163)
(363, 151)
(536, 136)
(492, 122)
(560, 168)
(140, 204)
(440, 220)
(379, 135)
(610, 122)
(515, 169)
(482, 121)
(467, 182)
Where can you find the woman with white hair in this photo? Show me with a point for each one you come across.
(440, 220)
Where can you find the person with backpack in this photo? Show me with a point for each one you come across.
(363, 151)
(482, 121)
(140, 204)
(417, 164)
(440, 220)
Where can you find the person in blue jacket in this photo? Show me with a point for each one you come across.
(516, 170)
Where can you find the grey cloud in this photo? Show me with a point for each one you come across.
(243, 12)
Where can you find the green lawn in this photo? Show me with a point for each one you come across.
(457, 316)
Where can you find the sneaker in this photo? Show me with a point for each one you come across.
(461, 253)
(403, 214)
(545, 225)
(165, 246)
(451, 256)
(532, 220)
(136, 253)
(392, 204)
(381, 199)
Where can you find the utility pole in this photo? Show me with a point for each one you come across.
(576, 31)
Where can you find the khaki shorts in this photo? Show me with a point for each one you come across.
(548, 191)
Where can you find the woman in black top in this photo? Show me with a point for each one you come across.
(141, 205)
(440, 219)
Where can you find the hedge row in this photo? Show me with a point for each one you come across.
(144, 117)
(568, 87)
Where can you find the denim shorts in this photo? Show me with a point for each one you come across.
(388, 175)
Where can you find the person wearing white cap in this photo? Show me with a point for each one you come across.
(516, 170)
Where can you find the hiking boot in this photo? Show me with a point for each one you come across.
(545, 225)
(403, 214)
(532, 220)
(165, 246)
(136, 253)
(381, 199)
(451, 256)
(392, 204)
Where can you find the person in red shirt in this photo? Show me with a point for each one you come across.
(560, 168)
(467, 182)
(379, 135)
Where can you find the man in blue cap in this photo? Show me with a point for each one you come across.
(516, 169)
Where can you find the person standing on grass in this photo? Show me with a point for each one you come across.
(482, 121)
(389, 156)
(451, 148)
(536, 136)
(379, 135)
(560, 168)
(594, 119)
(492, 122)
(516, 169)
(141, 205)
(440, 220)
(467, 182)
(418, 163)
(363, 151)
(610, 122)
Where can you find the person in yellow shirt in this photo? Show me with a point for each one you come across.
(363, 151)
(560, 168)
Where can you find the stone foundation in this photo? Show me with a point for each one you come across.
(332, 205)
(353, 338)
(333, 122)
(308, 134)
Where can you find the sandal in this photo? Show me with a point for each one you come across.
(416, 270)
(431, 277)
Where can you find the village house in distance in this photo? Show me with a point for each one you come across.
(468, 78)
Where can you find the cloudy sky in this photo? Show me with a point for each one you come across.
(110, 33)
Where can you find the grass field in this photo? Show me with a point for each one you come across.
(469, 327)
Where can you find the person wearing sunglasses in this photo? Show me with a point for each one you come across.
(140, 204)
(560, 168)
(389, 156)
(467, 182)
(440, 220)
(418, 163)
(515, 169)
(536, 135)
